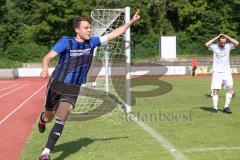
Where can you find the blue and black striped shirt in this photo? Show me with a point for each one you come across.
(75, 59)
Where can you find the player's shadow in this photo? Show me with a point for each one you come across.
(207, 109)
(208, 95)
(72, 147)
(210, 109)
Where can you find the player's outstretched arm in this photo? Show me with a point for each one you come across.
(234, 41)
(208, 43)
(45, 62)
(120, 30)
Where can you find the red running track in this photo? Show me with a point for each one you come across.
(21, 101)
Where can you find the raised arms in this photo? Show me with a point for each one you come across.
(118, 31)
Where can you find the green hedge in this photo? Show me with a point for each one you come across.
(25, 52)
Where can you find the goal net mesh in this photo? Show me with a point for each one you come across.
(106, 80)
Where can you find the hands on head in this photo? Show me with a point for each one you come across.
(221, 34)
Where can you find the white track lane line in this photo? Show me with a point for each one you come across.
(8, 87)
(13, 90)
(18, 107)
(176, 153)
(2, 82)
(11, 81)
(210, 149)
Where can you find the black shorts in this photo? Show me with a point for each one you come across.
(59, 92)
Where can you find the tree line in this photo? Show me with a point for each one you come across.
(29, 28)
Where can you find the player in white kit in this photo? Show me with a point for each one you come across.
(221, 68)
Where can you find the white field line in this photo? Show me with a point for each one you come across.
(8, 87)
(210, 149)
(18, 107)
(13, 90)
(176, 153)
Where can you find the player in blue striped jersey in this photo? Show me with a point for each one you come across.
(70, 73)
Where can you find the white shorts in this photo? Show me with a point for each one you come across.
(221, 79)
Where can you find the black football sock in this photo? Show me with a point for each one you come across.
(55, 134)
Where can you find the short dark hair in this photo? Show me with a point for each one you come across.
(77, 21)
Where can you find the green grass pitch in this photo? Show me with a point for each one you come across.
(190, 127)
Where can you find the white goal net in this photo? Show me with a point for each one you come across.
(107, 86)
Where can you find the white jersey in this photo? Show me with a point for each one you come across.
(221, 60)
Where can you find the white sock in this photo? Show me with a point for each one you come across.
(215, 101)
(46, 150)
(228, 99)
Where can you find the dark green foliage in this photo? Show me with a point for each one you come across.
(30, 52)
(29, 28)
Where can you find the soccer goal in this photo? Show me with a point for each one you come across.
(108, 82)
